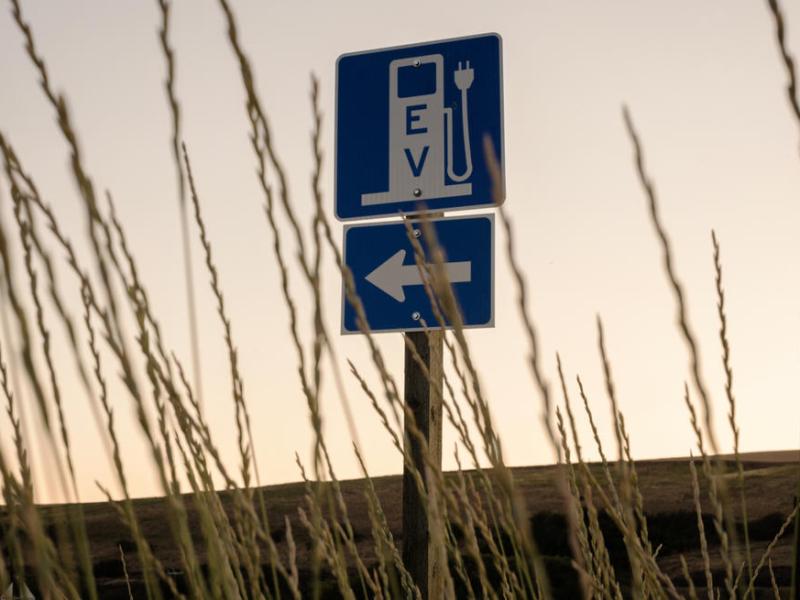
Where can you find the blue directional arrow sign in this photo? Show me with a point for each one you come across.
(410, 125)
(390, 285)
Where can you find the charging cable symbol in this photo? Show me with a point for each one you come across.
(420, 158)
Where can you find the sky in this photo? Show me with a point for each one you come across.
(705, 87)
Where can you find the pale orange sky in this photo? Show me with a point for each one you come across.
(705, 86)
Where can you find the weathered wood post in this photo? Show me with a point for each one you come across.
(423, 396)
(795, 583)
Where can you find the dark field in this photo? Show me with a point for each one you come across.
(771, 485)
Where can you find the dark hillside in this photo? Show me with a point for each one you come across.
(771, 485)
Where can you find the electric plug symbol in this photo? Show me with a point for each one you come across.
(464, 76)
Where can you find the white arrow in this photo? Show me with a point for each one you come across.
(392, 275)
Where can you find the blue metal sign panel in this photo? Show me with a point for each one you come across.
(410, 124)
(390, 285)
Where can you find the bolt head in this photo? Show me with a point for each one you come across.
(416, 316)
(417, 233)
(417, 192)
(417, 62)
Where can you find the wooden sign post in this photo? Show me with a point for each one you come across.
(795, 583)
(423, 396)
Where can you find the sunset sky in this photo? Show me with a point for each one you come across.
(706, 89)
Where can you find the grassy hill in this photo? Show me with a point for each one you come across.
(771, 484)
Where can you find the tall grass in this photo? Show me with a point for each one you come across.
(479, 527)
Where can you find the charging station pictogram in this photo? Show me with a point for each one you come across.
(410, 123)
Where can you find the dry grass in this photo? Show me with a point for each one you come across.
(615, 529)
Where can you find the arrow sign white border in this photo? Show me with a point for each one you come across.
(459, 272)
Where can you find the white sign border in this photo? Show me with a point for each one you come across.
(488, 325)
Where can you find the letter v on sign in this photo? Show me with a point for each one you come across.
(416, 166)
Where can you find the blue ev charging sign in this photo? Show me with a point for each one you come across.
(410, 123)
